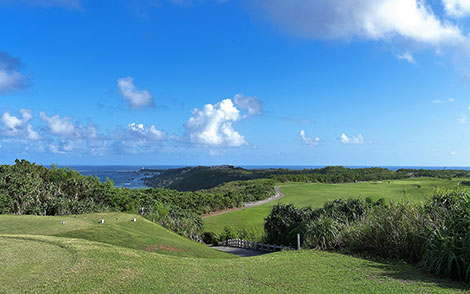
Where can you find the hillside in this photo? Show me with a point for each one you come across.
(45, 264)
(118, 229)
(202, 177)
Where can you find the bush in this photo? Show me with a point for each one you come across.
(396, 231)
(448, 249)
(322, 233)
(5, 203)
(283, 223)
(183, 222)
(286, 221)
(436, 235)
(210, 238)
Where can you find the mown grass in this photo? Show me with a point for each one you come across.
(118, 229)
(316, 194)
(44, 264)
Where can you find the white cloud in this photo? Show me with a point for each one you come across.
(367, 19)
(457, 8)
(406, 56)
(65, 128)
(252, 104)
(137, 98)
(307, 140)
(32, 134)
(152, 133)
(19, 126)
(60, 126)
(212, 125)
(136, 138)
(359, 139)
(10, 77)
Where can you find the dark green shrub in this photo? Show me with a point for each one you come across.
(210, 238)
(183, 222)
(5, 203)
(286, 221)
(465, 183)
(282, 224)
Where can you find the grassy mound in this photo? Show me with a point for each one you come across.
(118, 229)
(81, 266)
(316, 194)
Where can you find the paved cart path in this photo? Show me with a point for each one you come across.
(276, 196)
(239, 251)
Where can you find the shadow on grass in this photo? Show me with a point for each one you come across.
(406, 273)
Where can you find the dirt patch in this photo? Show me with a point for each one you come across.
(162, 247)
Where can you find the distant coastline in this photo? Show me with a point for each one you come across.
(133, 176)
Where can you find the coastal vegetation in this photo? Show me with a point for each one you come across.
(435, 234)
(394, 218)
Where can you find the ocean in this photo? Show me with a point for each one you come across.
(132, 176)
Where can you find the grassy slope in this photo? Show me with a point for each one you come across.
(44, 264)
(118, 229)
(316, 195)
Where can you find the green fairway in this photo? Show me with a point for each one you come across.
(44, 264)
(316, 194)
(118, 229)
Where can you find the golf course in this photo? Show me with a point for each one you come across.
(316, 194)
(41, 255)
(62, 232)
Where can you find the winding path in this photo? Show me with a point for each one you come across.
(239, 251)
(276, 196)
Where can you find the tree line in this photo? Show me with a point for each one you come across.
(27, 188)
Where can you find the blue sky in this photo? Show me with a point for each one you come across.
(260, 82)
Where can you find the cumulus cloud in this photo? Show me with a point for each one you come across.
(11, 78)
(307, 140)
(251, 104)
(151, 133)
(136, 138)
(69, 4)
(137, 98)
(19, 126)
(366, 19)
(345, 139)
(60, 126)
(457, 8)
(212, 125)
(64, 127)
(64, 136)
(407, 56)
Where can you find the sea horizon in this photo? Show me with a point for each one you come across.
(132, 176)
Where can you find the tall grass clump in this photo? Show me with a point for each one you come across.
(435, 234)
(448, 248)
(397, 231)
(319, 228)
